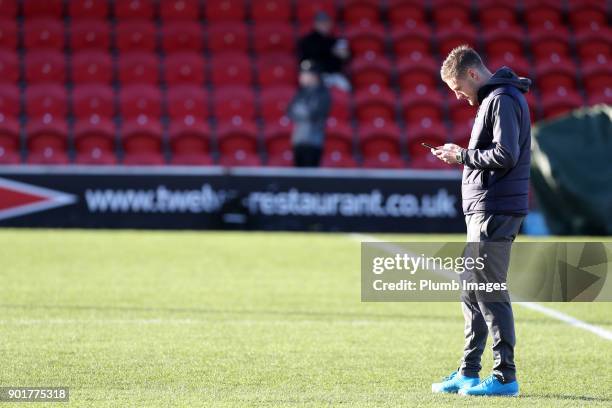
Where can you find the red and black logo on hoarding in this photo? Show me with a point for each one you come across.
(18, 199)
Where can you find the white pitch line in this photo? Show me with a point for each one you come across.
(555, 314)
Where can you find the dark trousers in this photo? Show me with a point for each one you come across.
(482, 317)
(306, 156)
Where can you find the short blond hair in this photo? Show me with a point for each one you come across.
(458, 61)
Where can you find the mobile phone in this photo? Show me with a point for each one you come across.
(427, 145)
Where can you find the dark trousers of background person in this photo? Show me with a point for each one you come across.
(482, 317)
(306, 155)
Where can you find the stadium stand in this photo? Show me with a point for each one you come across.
(207, 82)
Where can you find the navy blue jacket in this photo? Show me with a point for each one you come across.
(497, 161)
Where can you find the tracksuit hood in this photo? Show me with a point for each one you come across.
(503, 77)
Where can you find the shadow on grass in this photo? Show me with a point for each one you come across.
(305, 313)
(577, 398)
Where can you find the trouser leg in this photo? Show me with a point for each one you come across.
(496, 316)
(500, 321)
(476, 332)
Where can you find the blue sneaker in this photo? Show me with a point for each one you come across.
(454, 383)
(491, 386)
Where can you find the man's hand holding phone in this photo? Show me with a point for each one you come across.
(450, 153)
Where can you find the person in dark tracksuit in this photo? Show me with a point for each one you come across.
(308, 111)
(495, 185)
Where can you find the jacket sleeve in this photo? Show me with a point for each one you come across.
(504, 150)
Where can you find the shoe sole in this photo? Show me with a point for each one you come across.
(514, 394)
(442, 392)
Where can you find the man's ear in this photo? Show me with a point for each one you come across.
(473, 73)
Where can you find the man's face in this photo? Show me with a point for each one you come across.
(466, 87)
(324, 26)
(308, 79)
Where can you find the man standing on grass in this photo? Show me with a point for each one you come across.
(494, 191)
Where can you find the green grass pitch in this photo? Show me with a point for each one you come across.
(147, 319)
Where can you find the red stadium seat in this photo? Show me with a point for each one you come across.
(45, 8)
(189, 137)
(274, 102)
(227, 36)
(408, 40)
(495, 15)
(596, 76)
(417, 69)
(460, 134)
(449, 38)
(425, 130)
(543, 13)
(232, 103)
(225, 10)
(136, 35)
(142, 136)
(366, 39)
(9, 139)
(274, 37)
(88, 9)
(180, 10)
(277, 69)
(136, 100)
(586, 13)
(546, 42)
(138, 68)
(380, 145)
(89, 100)
(9, 101)
(406, 13)
(336, 159)
(46, 100)
(367, 71)
(307, 9)
(8, 8)
(9, 67)
(338, 136)
(190, 140)
(48, 156)
(421, 102)
(271, 11)
(92, 67)
(374, 103)
(231, 69)
(90, 34)
(237, 143)
(340, 105)
(460, 110)
(517, 62)
(184, 101)
(143, 159)
(593, 45)
(358, 11)
(500, 41)
(560, 101)
(427, 162)
(451, 13)
(184, 68)
(8, 33)
(191, 159)
(43, 33)
(338, 147)
(557, 71)
(94, 140)
(135, 9)
(47, 136)
(600, 96)
(182, 36)
(277, 139)
(96, 157)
